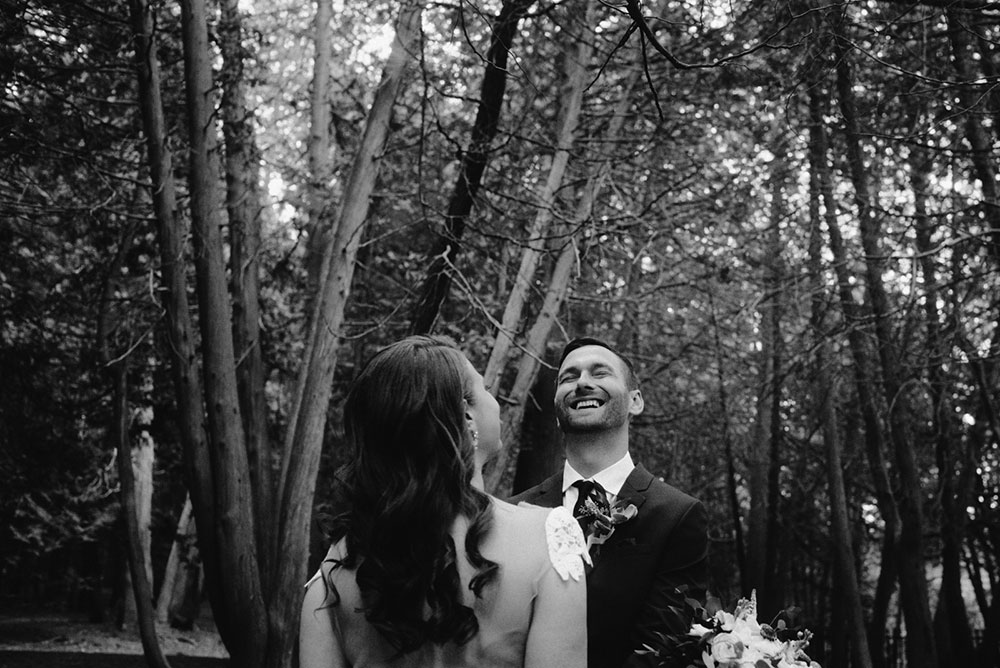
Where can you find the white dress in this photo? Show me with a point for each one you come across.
(533, 613)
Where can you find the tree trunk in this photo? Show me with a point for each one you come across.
(473, 163)
(184, 364)
(954, 636)
(727, 442)
(245, 207)
(307, 421)
(987, 64)
(319, 147)
(920, 646)
(173, 564)
(185, 603)
(764, 461)
(980, 537)
(848, 598)
(500, 478)
(978, 138)
(234, 531)
(138, 561)
(864, 382)
(143, 457)
(136, 503)
(579, 50)
(773, 595)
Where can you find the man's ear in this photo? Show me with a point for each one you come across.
(635, 404)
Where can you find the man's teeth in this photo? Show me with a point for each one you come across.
(588, 403)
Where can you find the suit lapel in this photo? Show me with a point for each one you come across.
(634, 489)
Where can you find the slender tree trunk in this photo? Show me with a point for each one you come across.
(848, 595)
(501, 475)
(173, 564)
(979, 140)
(764, 461)
(500, 478)
(773, 595)
(864, 383)
(185, 603)
(981, 538)
(143, 459)
(473, 163)
(142, 453)
(987, 64)
(760, 458)
(578, 54)
(184, 363)
(727, 442)
(245, 207)
(142, 587)
(920, 647)
(242, 592)
(307, 421)
(319, 146)
(955, 638)
(135, 504)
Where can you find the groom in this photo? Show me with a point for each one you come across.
(639, 567)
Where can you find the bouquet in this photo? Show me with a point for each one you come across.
(719, 639)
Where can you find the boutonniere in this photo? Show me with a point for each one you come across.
(604, 520)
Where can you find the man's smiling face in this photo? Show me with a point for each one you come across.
(592, 391)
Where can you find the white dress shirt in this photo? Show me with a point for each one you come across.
(611, 479)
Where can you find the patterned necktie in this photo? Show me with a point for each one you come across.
(594, 492)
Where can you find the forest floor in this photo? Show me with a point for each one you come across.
(54, 640)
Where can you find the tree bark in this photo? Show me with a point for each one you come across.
(135, 507)
(139, 568)
(143, 453)
(920, 647)
(184, 363)
(473, 163)
(319, 146)
(245, 207)
(307, 421)
(764, 461)
(864, 382)
(234, 530)
(501, 477)
(954, 636)
(185, 603)
(579, 50)
(982, 147)
(825, 391)
(727, 443)
(173, 564)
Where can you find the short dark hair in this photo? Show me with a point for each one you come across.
(631, 379)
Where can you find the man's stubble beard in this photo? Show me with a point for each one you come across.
(615, 415)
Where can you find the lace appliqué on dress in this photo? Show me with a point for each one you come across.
(567, 547)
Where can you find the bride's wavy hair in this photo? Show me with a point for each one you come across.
(409, 478)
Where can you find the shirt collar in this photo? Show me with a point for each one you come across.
(612, 479)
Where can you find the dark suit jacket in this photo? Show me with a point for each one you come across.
(637, 570)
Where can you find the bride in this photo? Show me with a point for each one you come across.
(425, 569)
